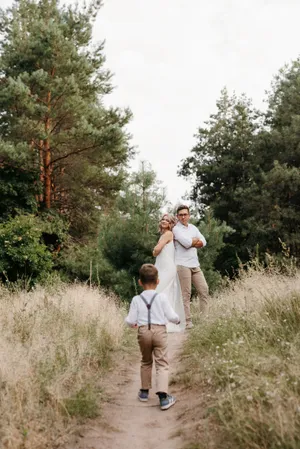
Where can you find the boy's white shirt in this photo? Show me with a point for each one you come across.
(161, 310)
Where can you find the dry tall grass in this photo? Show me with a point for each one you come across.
(53, 350)
(243, 360)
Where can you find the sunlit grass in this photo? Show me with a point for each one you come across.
(245, 359)
(54, 348)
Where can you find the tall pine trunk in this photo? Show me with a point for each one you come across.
(42, 170)
(47, 158)
(48, 174)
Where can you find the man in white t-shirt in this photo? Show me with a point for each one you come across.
(187, 240)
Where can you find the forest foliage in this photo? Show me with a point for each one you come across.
(245, 169)
(68, 202)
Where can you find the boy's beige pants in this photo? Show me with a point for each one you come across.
(154, 342)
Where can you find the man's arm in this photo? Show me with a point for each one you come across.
(199, 241)
(201, 238)
(184, 240)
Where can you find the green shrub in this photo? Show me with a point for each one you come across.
(215, 232)
(127, 243)
(83, 403)
(29, 246)
(22, 252)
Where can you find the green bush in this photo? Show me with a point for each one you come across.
(22, 251)
(127, 243)
(214, 231)
(89, 264)
(83, 404)
(85, 262)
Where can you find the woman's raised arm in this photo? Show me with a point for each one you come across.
(165, 238)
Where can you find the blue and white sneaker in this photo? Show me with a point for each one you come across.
(167, 402)
(143, 396)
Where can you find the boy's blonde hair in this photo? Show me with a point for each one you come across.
(148, 274)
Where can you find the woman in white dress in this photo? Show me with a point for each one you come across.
(164, 252)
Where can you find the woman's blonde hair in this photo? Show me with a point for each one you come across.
(171, 219)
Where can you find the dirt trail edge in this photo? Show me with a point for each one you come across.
(129, 423)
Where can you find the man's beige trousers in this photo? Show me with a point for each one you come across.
(187, 277)
(154, 342)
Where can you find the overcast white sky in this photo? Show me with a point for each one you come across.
(171, 58)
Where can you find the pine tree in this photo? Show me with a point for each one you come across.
(245, 167)
(129, 233)
(226, 173)
(52, 86)
(282, 181)
(18, 181)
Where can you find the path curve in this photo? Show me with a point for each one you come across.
(129, 423)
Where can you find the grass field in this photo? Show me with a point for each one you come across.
(242, 363)
(54, 348)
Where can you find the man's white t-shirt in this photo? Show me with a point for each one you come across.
(185, 254)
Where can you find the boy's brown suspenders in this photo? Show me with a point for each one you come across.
(148, 305)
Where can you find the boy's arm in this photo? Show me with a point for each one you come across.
(170, 313)
(184, 240)
(132, 316)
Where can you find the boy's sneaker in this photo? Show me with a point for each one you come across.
(167, 402)
(143, 396)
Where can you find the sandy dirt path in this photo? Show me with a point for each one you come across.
(127, 423)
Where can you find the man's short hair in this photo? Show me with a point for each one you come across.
(181, 207)
(148, 274)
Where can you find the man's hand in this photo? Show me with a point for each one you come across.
(197, 243)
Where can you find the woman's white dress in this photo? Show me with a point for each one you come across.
(169, 284)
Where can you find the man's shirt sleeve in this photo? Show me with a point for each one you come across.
(201, 237)
(181, 238)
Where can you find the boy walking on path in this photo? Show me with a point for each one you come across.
(150, 312)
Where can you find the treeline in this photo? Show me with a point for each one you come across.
(68, 204)
(245, 169)
(63, 154)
